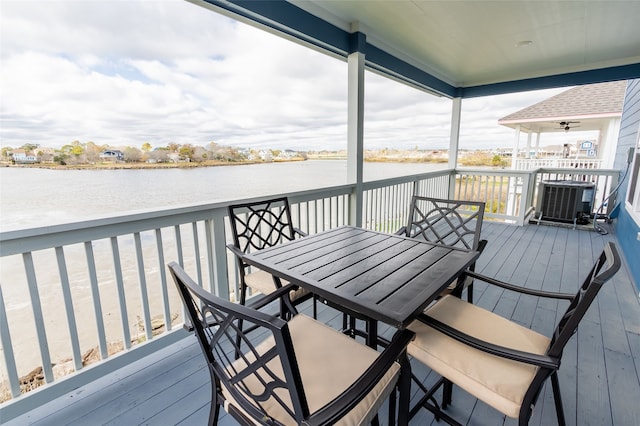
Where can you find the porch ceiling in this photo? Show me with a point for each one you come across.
(467, 48)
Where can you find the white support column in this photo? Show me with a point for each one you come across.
(528, 153)
(355, 133)
(537, 148)
(454, 137)
(514, 154)
(607, 142)
(454, 142)
(511, 194)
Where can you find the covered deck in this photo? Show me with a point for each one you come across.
(599, 378)
(165, 381)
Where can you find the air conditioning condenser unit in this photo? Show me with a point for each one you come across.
(565, 201)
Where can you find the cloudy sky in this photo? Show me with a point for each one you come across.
(127, 72)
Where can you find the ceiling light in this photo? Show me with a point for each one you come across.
(523, 43)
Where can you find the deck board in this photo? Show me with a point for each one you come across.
(599, 377)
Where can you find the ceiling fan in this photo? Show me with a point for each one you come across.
(567, 125)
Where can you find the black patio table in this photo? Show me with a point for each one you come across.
(377, 276)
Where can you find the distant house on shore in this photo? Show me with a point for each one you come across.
(113, 155)
(288, 154)
(20, 156)
(265, 155)
(177, 158)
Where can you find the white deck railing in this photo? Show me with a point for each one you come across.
(69, 289)
(573, 163)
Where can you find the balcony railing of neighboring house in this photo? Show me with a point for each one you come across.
(578, 163)
(92, 290)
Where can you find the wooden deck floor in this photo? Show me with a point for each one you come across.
(599, 377)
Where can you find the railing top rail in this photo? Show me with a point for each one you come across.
(576, 171)
(404, 179)
(31, 239)
(74, 232)
(566, 170)
(493, 172)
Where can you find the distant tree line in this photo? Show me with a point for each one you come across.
(77, 153)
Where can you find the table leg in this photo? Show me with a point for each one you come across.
(404, 387)
(372, 334)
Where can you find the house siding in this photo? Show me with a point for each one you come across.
(626, 228)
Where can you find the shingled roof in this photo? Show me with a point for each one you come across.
(582, 102)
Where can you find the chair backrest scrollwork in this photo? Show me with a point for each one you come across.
(261, 224)
(453, 223)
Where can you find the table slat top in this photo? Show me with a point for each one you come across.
(386, 277)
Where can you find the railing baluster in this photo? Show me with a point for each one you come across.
(179, 250)
(122, 300)
(37, 316)
(180, 260)
(219, 255)
(196, 251)
(163, 280)
(210, 256)
(491, 201)
(142, 281)
(7, 348)
(95, 295)
(68, 306)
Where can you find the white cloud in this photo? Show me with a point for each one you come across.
(128, 72)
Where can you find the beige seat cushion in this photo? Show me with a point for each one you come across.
(499, 382)
(263, 282)
(329, 363)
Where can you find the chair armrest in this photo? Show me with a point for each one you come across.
(523, 290)
(300, 232)
(401, 231)
(235, 250)
(481, 245)
(348, 399)
(502, 351)
(279, 293)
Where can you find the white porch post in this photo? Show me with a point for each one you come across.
(514, 154)
(511, 194)
(607, 141)
(454, 141)
(355, 127)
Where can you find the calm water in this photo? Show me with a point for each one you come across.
(38, 197)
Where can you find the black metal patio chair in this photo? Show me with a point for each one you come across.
(494, 359)
(455, 223)
(291, 372)
(255, 226)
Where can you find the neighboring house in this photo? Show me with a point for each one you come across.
(265, 155)
(288, 154)
(591, 107)
(627, 225)
(113, 155)
(21, 156)
(177, 158)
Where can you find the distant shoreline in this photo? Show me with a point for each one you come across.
(139, 166)
(214, 163)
